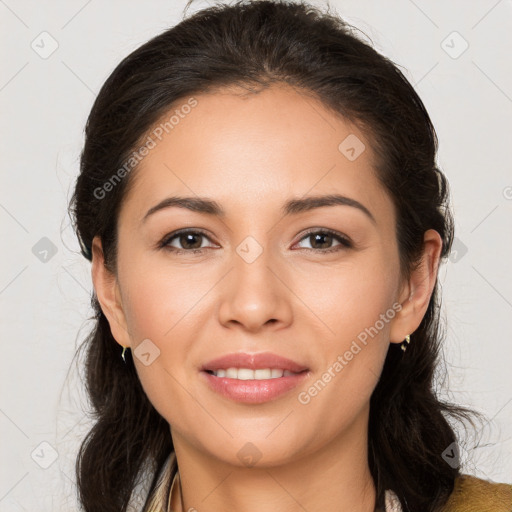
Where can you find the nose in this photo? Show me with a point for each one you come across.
(255, 296)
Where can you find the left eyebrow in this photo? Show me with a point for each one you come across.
(303, 204)
(291, 207)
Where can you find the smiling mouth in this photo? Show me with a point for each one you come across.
(249, 386)
(250, 374)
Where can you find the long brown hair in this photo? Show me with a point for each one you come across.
(253, 45)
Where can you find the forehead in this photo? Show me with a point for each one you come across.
(249, 151)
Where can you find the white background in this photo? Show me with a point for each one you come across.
(44, 305)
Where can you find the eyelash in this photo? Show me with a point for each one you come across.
(345, 243)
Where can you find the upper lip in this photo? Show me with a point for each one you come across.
(254, 362)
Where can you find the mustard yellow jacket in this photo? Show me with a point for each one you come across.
(472, 494)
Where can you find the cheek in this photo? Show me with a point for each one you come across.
(357, 307)
(159, 296)
(351, 298)
(161, 308)
(150, 308)
(158, 342)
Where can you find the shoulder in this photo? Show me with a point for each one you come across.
(473, 494)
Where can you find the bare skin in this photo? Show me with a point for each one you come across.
(251, 154)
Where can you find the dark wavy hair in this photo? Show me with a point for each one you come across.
(254, 44)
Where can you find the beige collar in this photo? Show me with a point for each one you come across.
(174, 503)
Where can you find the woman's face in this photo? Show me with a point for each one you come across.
(260, 282)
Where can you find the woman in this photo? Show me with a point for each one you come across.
(295, 339)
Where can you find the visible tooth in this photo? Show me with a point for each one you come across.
(232, 373)
(245, 374)
(249, 374)
(263, 373)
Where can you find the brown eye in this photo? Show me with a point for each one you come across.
(187, 240)
(190, 241)
(322, 240)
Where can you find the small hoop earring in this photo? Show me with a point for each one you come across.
(122, 355)
(406, 342)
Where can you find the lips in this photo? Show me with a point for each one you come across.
(259, 361)
(249, 388)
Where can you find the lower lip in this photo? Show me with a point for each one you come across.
(253, 391)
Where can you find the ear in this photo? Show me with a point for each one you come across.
(415, 294)
(108, 293)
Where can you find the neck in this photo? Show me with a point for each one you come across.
(333, 479)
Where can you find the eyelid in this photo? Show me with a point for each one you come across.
(332, 232)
